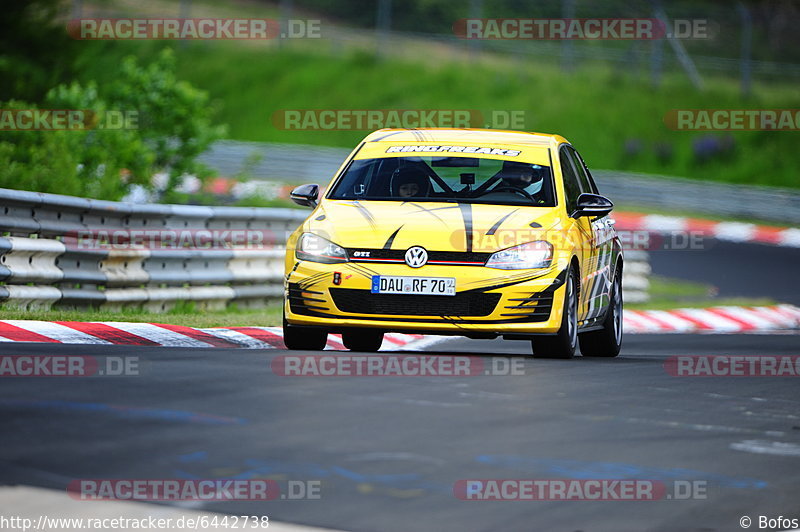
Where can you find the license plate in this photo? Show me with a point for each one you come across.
(431, 286)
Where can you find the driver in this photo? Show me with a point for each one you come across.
(525, 176)
(409, 182)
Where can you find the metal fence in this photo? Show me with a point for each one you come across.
(743, 40)
(76, 253)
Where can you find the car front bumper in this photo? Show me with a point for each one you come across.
(487, 301)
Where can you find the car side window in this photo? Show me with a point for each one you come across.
(588, 173)
(583, 176)
(572, 187)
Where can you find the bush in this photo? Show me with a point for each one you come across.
(172, 127)
(76, 162)
(175, 117)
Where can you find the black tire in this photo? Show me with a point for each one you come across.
(606, 342)
(303, 338)
(367, 340)
(565, 342)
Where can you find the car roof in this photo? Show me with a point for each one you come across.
(492, 136)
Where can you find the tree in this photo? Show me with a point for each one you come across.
(35, 51)
(166, 126)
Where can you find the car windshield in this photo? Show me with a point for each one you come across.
(454, 179)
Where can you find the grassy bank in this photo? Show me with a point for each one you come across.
(185, 315)
(614, 117)
(668, 293)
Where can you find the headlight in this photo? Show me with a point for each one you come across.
(317, 249)
(537, 254)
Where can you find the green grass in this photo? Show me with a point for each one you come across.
(184, 314)
(711, 217)
(678, 289)
(597, 108)
(667, 293)
(256, 201)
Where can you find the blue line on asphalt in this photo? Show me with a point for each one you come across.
(582, 469)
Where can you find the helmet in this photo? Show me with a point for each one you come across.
(523, 175)
(403, 180)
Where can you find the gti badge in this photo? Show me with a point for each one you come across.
(416, 257)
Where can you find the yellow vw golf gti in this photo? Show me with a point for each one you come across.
(470, 232)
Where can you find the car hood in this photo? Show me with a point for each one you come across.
(432, 225)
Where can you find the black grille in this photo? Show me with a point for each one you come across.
(365, 302)
(305, 301)
(534, 308)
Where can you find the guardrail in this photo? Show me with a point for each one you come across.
(778, 205)
(296, 163)
(76, 252)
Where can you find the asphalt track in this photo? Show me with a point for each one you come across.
(388, 450)
(736, 269)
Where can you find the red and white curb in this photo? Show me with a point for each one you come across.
(719, 320)
(163, 335)
(730, 231)
(715, 320)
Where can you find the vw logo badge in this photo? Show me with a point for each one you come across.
(416, 257)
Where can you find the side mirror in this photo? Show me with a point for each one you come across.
(305, 195)
(592, 205)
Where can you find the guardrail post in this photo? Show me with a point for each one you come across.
(635, 277)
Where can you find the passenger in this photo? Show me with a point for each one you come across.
(410, 182)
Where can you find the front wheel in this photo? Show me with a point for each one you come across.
(564, 343)
(303, 339)
(606, 342)
(367, 340)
